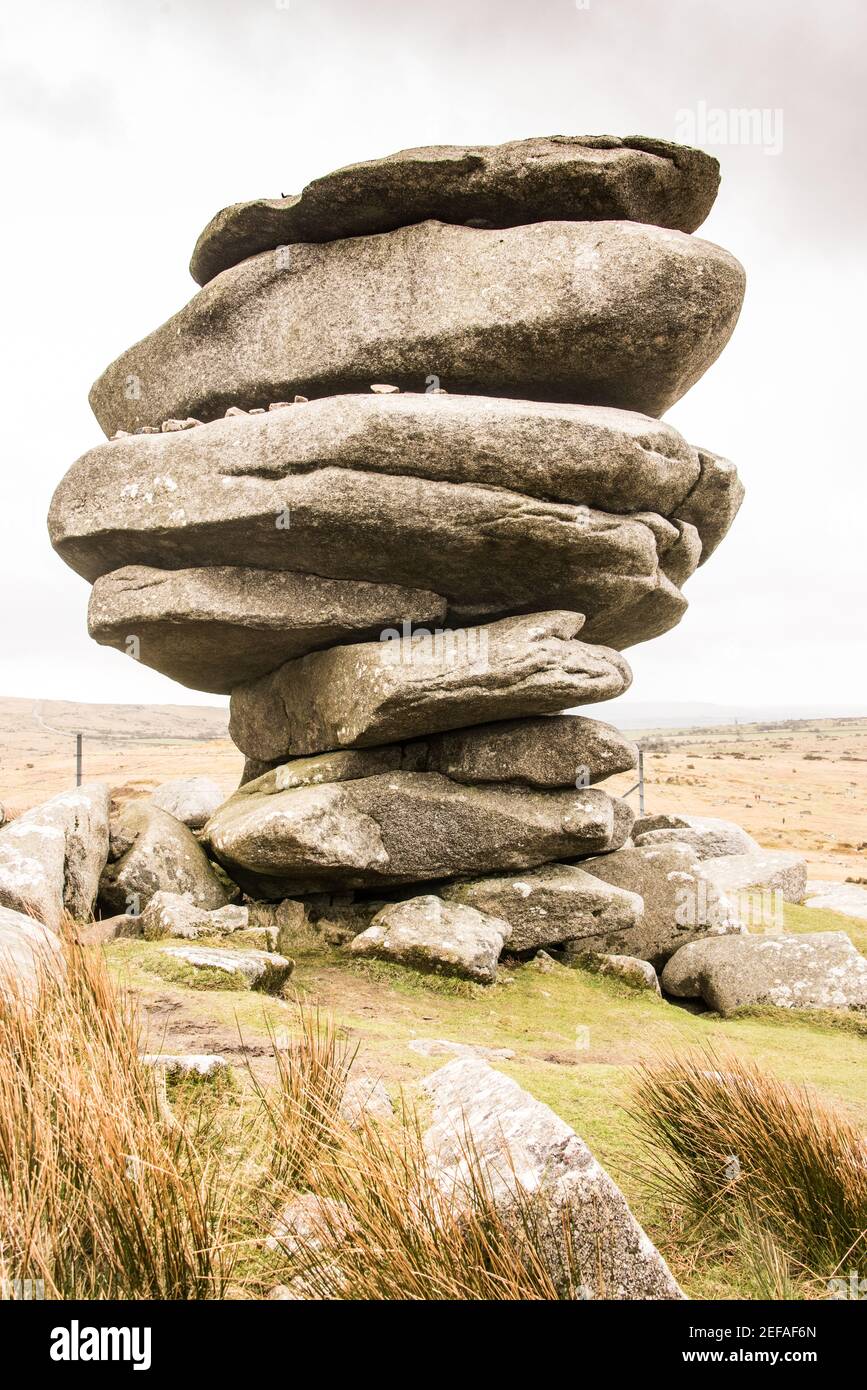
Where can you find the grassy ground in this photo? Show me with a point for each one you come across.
(577, 1039)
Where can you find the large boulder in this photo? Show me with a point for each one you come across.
(830, 896)
(379, 692)
(28, 949)
(586, 1231)
(170, 914)
(191, 800)
(212, 628)
(51, 857)
(150, 851)
(817, 970)
(557, 178)
(681, 902)
(447, 938)
(400, 827)
(552, 904)
(611, 313)
(764, 869)
(708, 836)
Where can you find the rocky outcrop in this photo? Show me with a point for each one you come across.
(51, 857)
(593, 1246)
(150, 851)
(191, 800)
(816, 970)
(707, 836)
(28, 950)
(564, 178)
(447, 938)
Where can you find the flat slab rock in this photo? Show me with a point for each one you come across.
(848, 898)
(708, 836)
(555, 178)
(263, 970)
(211, 495)
(381, 692)
(202, 1065)
(214, 627)
(519, 1141)
(444, 1047)
(151, 850)
(681, 902)
(442, 937)
(816, 970)
(552, 904)
(614, 313)
(191, 800)
(763, 869)
(28, 949)
(555, 750)
(402, 827)
(51, 857)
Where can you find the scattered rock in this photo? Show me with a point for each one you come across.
(817, 970)
(767, 869)
(51, 857)
(441, 1047)
(207, 1065)
(191, 800)
(848, 898)
(27, 950)
(708, 837)
(430, 934)
(638, 974)
(150, 850)
(170, 914)
(365, 1096)
(519, 1141)
(262, 970)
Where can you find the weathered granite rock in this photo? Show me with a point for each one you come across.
(209, 1066)
(564, 750)
(713, 502)
(681, 903)
(191, 800)
(375, 693)
(555, 903)
(264, 970)
(487, 551)
(614, 313)
(365, 1098)
(848, 898)
(401, 827)
(557, 178)
(51, 857)
(214, 627)
(444, 1047)
(28, 949)
(706, 835)
(150, 850)
(818, 970)
(518, 1141)
(170, 914)
(765, 868)
(638, 974)
(429, 934)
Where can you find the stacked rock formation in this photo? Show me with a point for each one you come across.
(395, 480)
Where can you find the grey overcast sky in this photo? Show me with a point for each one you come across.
(128, 123)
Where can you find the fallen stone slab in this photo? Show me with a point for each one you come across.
(552, 904)
(565, 750)
(638, 974)
(210, 1066)
(708, 836)
(442, 1047)
(150, 851)
(171, 914)
(29, 950)
(557, 178)
(262, 970)
(429, 934)
(401, 827)
(212, 628)
(765, 869)
(381, 692)
(51, 857)
(487, 551)
(521, 1144)
(848, 898)
(681, 901)
(614, 313)
(816, 970)
(191, 800)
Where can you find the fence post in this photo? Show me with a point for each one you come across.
(78, 741)
(641, 781)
